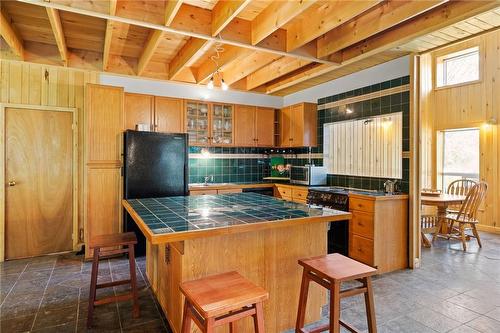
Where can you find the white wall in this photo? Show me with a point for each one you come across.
(383, 72)
(189, 91)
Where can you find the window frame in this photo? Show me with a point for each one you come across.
(441, 156)
(455, 52)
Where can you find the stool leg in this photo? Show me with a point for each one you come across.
(93, 286)
(133, 280)
(370, 306)
(335, 307)
(186, 318)
(304, 291)
(258, 318)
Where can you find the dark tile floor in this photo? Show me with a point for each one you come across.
(453, 292)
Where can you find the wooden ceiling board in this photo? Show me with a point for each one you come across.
(31, 22)
(253, 9)
(148, 11)
(169, 46)
(205, 4)
(128, 40)
(83, 32)
(100, 6)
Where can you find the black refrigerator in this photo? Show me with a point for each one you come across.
(155, 165)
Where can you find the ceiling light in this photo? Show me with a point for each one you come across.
(224, 85)
(210, 84)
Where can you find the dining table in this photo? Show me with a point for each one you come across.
(442, 202)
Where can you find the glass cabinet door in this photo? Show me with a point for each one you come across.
(197, 122)
(222, 124)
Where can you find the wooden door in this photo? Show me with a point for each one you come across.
(286, 122)
(39, 206)
(297, 125)
(138, 110)
(244, 126)
(264, 126)
(169, 115)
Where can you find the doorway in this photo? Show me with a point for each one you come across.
(39, 182)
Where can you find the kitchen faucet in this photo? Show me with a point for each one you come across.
(209, 178)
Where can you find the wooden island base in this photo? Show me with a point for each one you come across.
(268, 258)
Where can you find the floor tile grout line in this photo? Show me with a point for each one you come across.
(78, 308)
(43, 295)
(12, 288)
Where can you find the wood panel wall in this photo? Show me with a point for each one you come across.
(45, 85)
(465, 106)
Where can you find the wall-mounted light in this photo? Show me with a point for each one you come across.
(386, 122)
(347, 110)
(489, 123)
(205, 153)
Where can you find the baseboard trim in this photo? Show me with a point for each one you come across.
(488, 228)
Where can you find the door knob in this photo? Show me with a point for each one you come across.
(12, 183)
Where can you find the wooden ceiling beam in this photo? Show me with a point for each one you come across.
(55, 22)
(246, 66)
(185, 23)
(440, 17)
(309, 72)
(377, 19)
(224, 12)
(9, 34)
(276, 15)
(325, 17)
(108, 35)
(230, 54)
(188, 54)
(171, 9)
(273, 71)
(155, 36)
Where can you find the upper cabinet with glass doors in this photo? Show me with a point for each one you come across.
(209, 124)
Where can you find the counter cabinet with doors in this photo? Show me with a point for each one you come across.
(159, 114)
(254, 126)
(378, 231)
(293, 193)
(298, 125)
(210, 124)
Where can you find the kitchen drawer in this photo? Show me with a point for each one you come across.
(362, 224)
(232, 190)
(282, 192)
(299, 194)
(361, 204)
(361, 249)
(202, 192)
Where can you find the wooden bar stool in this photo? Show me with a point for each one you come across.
(329, 271)
(222, 299)
(126, 241)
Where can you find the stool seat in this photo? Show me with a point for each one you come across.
(219, 294)
(112, 240)
(337, 267)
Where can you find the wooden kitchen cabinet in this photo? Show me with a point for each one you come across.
(293, 193)
(299, 125)
(378, 231)
(104, 124)
(162, 114)
(254, 126)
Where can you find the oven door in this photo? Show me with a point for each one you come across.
(300, 175)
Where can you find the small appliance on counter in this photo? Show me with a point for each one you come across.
(390, 186)
(309, 175)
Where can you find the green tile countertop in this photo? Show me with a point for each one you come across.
(186, 217)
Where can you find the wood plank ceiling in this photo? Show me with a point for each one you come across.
(275, 47)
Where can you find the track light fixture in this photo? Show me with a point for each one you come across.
(218, 50)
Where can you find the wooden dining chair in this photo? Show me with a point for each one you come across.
(459, 187)
(466, 217)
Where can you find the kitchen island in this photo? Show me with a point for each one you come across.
(259, 236)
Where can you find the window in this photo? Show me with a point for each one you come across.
(460, 155)
(458, 67)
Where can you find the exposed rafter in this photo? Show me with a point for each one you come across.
(326, 17)
(108, 35)
(386, 14)
(189, 53)
(10, 36)
(224, 12)
(171, 9)
(230, 54)
(238, 70)
(276, 15)
(309, 72)
(55, 22)
(274, 70)
(193, 32)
